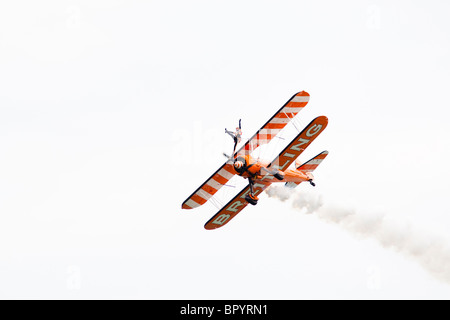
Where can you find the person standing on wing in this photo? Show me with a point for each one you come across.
(235, 135)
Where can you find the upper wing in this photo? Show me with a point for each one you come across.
(232, 208)
(209, 187)
(278, 121)
(264, 135)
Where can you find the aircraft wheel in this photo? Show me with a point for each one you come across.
(250, 200)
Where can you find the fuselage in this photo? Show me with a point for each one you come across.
(290, 175)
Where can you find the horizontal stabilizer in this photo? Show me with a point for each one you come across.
(312, 164)
(308, 166)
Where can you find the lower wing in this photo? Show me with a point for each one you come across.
(232, 208)
(299, 144)
(209, 187)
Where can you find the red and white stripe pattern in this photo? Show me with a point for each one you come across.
(277, 122)
(264, 135)
(210, 187)
(312, 164)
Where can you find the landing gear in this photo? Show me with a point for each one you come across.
(253, 200)
(312, 183)
(251, 197)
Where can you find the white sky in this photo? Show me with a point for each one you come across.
(113, 112)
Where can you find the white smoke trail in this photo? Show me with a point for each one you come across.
(430, 251)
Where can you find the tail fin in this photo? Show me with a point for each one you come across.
(312, 164)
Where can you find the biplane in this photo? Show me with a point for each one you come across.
(261, 174)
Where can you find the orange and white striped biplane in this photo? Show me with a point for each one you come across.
(260, 174)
